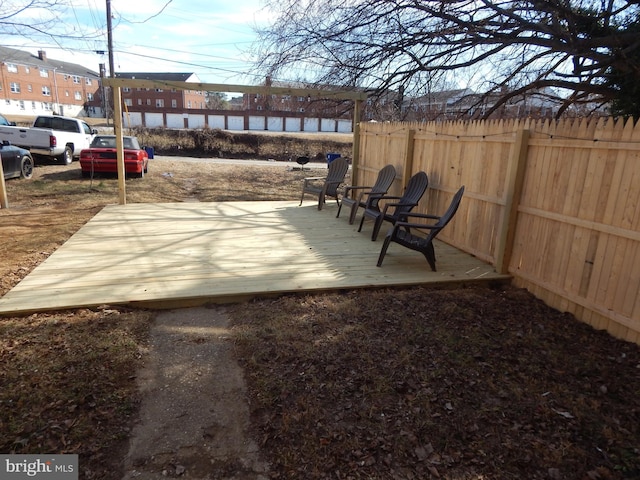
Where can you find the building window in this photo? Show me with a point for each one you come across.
(159, 90)
(7, 101)
(15, 87)
(174, 103)
(44, 73)
(46, 91)
(126, 89)
(21, 103)
(33, 105)
(30, 88)
(27, 70)
(77, 95)
(66, 77)
(66, 93)
(89, 97)
(159, 103)
(189, 104)
(12, 68)
(148, 101)
(76, 79)
(128, 102)
(139, 101)
(88, 81)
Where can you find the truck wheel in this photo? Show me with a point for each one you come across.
(26, 167)
(66, 157)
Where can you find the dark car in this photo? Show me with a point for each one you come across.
(16, 162)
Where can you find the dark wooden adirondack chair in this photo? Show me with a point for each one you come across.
(379, 188)
(395, 211)
(401, 232)
(326, 186)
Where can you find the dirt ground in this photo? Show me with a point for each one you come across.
(461, 383)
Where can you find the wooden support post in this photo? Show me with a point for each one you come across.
(515, 179)
(355, 161)
(117, 127)
(408, 158)
(4, 201)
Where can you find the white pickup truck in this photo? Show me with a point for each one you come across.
(60, 138)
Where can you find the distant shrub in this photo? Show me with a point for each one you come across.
(209, 142)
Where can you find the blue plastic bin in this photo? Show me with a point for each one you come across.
(149, 151)
(331, 157)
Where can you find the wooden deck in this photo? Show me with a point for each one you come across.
(173, 255)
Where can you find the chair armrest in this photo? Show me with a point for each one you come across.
(379, 196)
(357, 187)
(421, 215)
(311, 180)
(414, 225)
(363, 192)
(400, 204)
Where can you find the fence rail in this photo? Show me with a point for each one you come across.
(552, 203)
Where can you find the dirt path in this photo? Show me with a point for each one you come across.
(194, 415)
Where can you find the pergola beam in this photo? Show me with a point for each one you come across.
(222, 87)
(117, 83)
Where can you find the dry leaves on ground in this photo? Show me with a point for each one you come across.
(466, 383)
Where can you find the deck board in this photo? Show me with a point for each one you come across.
(182, 254)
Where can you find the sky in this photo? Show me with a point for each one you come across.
(211, 38)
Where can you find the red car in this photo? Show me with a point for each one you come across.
(100, 157)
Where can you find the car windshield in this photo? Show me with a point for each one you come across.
(130, 143)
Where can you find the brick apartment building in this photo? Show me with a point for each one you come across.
(303, 106)
(36, 85)
(159, 99)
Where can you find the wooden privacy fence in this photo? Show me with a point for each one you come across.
(551, 203)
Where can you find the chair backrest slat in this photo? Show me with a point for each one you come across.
(337, 171)
(386, 176)
(413, 193)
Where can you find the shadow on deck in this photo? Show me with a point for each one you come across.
(173, 255)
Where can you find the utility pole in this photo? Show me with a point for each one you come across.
(110, 40)
(108, 100)
(117, 114)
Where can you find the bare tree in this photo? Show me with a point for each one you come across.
(41, 19)
(504, 49)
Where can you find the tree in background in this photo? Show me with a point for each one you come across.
(217, 101)
(583, 52)
(36, 19)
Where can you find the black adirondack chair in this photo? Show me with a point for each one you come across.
(379, 188)
(326, 186)
(394, 211)
(401, 232)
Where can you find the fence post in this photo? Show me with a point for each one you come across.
(355, 161)
(408, 157)
(515, 179)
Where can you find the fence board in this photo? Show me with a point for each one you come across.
(575, 234)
